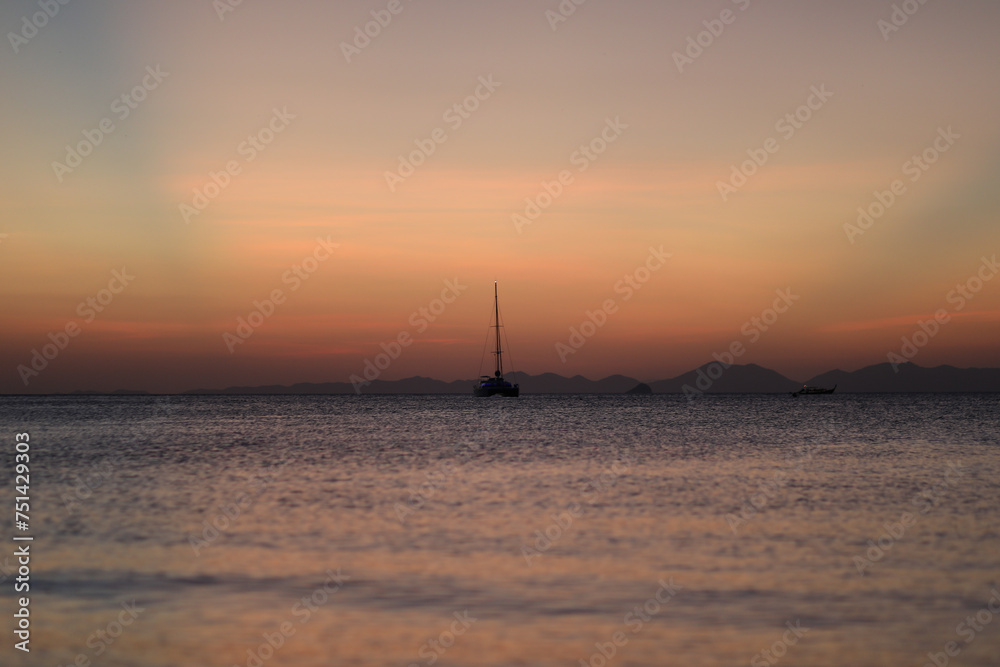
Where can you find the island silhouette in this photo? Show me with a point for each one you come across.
(711, 378)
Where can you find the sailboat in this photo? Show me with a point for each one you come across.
(495, 385)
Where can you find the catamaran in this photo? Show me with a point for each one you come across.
(495, 385)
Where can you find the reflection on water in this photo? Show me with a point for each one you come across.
(546, 530)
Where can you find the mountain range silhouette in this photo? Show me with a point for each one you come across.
(712, 378)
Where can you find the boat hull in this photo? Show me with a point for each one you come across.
(814, 391)
(486, 391)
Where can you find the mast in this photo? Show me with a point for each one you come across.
(496, 315)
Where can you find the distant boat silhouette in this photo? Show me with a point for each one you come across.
(811, 391)
(496, 385)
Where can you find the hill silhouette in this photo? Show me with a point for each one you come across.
(911, 378)
(714, 378)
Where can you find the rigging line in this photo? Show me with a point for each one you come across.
(483, 355)
(507, 341)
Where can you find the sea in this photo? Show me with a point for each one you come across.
(572, 530)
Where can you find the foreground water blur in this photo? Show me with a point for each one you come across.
(546, 530)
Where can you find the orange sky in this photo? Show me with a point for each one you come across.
(329, 130)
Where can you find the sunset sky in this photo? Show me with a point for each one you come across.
(309, 118)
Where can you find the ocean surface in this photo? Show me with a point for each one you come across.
(546, 530)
